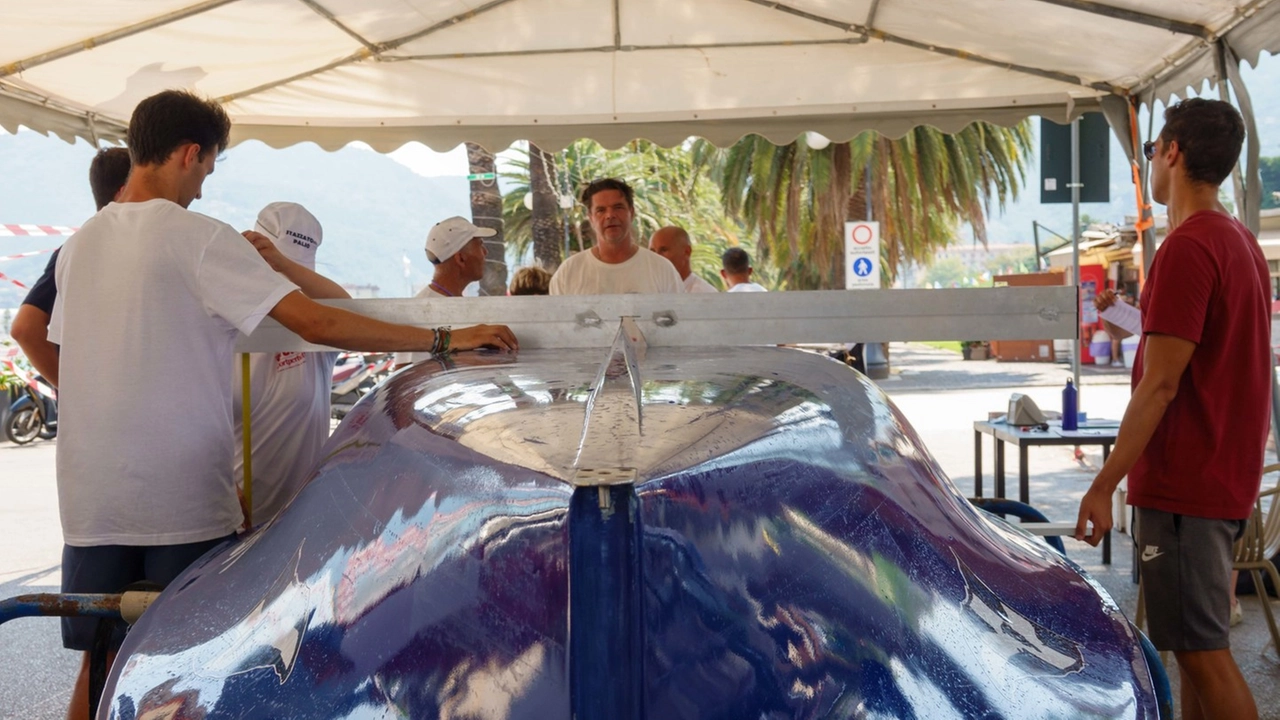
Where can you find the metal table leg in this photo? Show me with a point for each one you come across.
(999, 469)
(977, 464)
(1024, 480)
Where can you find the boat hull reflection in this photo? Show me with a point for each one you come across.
(770, 539)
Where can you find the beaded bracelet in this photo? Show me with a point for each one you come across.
(441, 343)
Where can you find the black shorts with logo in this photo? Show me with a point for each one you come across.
(1185, 563)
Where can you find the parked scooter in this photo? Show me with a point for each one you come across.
(354, 375)
(34, 414)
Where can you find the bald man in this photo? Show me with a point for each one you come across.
(673, 243)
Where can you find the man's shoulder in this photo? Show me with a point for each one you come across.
(1207, 229)
(158, 213)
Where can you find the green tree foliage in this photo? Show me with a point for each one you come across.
(920, 187)
(1270, 169)
(672, 187)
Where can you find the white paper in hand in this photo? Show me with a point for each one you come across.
(1125, 316)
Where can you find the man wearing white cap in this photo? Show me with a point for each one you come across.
(288, 391)
(456, 248)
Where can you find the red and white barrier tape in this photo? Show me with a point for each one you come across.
(26, 254)
(15, 282)
(35, 230)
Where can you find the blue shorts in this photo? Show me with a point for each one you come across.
(111, 568)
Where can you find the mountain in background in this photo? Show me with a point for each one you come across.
(376, 211)
(1013, 225)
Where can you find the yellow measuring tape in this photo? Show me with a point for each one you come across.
(248, 439)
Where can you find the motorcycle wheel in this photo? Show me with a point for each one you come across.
(23, 426)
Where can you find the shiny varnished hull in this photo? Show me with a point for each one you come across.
(474, 546)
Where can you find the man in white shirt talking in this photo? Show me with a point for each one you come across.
(616, 264)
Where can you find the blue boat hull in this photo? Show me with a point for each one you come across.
(769, 539)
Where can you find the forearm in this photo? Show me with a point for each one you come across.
(313, 284)
(30, 329)
(344, 329)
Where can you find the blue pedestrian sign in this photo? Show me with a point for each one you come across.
(862, 255)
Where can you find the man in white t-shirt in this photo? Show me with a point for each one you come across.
(616, 264)
(673, 243)
(456, 248)
(736, 270)
(151, 298)
(288, 391)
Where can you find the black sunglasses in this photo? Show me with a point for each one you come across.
(1149, 150)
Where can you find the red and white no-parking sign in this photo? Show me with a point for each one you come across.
(861, 255)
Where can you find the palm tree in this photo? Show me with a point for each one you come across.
(920, 187)
(545, 213)
(671, 187)
(486, 212)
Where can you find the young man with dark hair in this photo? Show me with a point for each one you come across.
(616, 264)
(736, 270)
(30, 328)
(156, 295)
(1194, 435)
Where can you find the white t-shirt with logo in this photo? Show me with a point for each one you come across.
(748, 287)
(695, 284)
(150, 299)
(289, 423)
(404, 357)
(644, 272)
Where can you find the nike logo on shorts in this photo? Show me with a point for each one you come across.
(1150, 552)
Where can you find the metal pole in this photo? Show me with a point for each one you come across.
(1075, 245)
(1035, 236)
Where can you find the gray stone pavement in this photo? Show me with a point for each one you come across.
(929, 386)
(938, 393)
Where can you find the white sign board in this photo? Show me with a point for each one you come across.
(862, 255)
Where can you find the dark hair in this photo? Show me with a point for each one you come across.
(1209, 134)
(608, 184)
(735, 261)
(108, 173)
(168, 120)
(531, 280)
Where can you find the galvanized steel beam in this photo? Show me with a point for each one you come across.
(827, 316)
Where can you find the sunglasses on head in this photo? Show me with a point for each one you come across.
(1149, 150)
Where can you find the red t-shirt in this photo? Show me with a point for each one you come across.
(1209, 284)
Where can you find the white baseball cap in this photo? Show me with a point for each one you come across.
(451, 235)
(293, 229)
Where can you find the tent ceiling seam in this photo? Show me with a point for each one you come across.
(1134, 16)
(871, 14)
(940, 50)
(367, 53)
(617, 23)
(324, 13)
(118, 34)
(624, 48)
(812, 17)
(1175, 62)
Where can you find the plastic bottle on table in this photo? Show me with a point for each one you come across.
(1069, 413)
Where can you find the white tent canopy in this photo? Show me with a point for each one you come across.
(442, 71)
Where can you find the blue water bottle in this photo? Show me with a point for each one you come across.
(1069, 414)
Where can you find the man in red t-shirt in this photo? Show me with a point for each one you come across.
(1194, 434)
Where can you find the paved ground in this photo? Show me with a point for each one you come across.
(939, 394)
